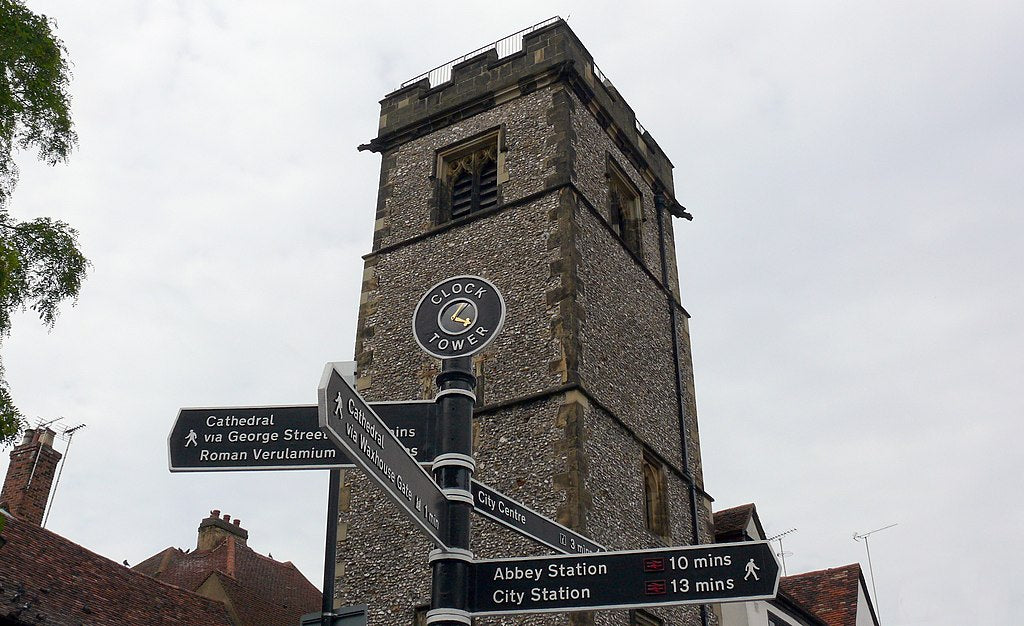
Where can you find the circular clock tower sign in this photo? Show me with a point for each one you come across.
(458, 317)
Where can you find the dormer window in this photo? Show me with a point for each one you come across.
(470, 175)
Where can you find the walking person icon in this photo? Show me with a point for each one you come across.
(751, 570)
(192, 439)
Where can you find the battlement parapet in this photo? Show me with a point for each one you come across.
(549, 52)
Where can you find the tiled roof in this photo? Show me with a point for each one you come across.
(47, 579)
(731, 524)
(260, 589)
(831, 594)
(733, 520)
(253, 608)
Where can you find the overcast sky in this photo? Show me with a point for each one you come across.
(852, 271)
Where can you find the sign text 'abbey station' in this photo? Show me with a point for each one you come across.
(630, 579)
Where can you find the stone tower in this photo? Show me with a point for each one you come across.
(529, 169)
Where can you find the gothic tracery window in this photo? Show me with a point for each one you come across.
(470, 176)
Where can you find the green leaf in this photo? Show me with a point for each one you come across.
(35, 100)
(41, 265)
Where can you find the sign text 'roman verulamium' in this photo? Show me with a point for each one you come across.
(281, 437)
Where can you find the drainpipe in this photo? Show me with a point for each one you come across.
(661, 208)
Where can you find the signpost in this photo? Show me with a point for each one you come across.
(454, 319)
(527, 522)
(282, 437)
(620, 580)
(352, 425)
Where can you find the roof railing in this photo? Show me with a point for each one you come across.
(505, 46)
(607, 83)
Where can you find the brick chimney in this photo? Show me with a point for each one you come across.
(215, 529)
(30, 475)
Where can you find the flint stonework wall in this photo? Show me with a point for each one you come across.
(382, 560)
(408, 180)
(626, 352)
(616, 485)
(520, 451)
(574, 388)
(593, 148)
(524, 453)
(690, 404)
(391, 364)
(670, 255)
(634, 381)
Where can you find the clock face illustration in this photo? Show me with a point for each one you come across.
(458, 317)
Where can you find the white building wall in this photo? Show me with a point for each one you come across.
(864, 617)
(754, 614)
(743, 614)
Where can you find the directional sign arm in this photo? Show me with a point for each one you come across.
(351, 424)
(527, 522)
(285, 437)
(250, 438)
(733, 572)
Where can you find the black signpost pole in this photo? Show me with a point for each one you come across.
(330, 549)
(453, 471)
(455, 319)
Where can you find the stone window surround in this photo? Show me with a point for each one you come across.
(656, 516)
(494, 136)
(632, 214)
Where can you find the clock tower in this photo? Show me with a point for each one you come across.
(522, 164)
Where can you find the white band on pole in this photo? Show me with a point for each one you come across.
(454, 458)
(457, 392)
(451, 554)
(449, 615)
(459, 495)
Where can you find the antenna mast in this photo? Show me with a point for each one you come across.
(781, 552)
(67, 434)
(864, 536)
